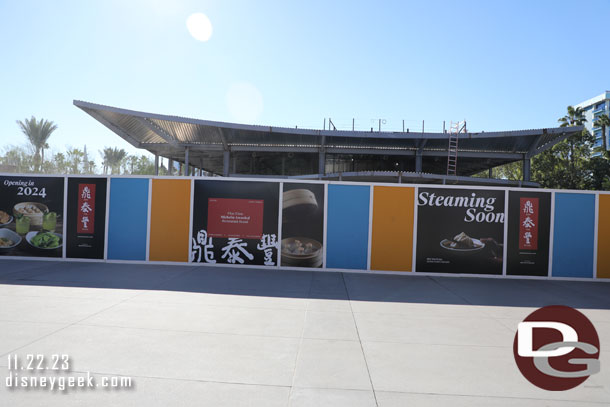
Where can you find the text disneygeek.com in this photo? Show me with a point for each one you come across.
(27, 372)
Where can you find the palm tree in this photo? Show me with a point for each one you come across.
(17, 158)
(133, 163)
(575, 117)
(61, 166)
(75, 158)
(86, 167)
(113, 158)
(38, 132)
(603, 121)
(105, 153)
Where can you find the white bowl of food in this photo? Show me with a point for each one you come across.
(33, 210)
(44, 240)
(301, 252)
(462, 244)
(8, 239)
(5, 218)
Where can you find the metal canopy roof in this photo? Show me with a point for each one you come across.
(211, 143)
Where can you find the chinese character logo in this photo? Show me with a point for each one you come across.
(85, 218)
(203, 248)
(267, 243)
(85, 207)
(528, 224)
(86, 192)
(235, 250)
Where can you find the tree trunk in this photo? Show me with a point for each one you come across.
(571, 166)
(37, 160)
(42, 159)
(605, 143)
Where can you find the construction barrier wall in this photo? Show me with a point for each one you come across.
(293, 224)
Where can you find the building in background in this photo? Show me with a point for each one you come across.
(593, 108)
(238, 150)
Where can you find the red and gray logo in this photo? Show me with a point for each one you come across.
(556, 348)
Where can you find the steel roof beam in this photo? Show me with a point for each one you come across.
(158, 131)
(380, 151)
(420, 146)
(276, 149)
(223, 139)
(417, 176)
(165, 148)
(477, 154)
(534, 145)
(113, 127)
(328, 133)
(182, 146)
(539, 149)
(369, 151)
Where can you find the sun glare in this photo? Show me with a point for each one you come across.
(199, 26)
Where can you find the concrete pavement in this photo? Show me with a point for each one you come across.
(190, 335)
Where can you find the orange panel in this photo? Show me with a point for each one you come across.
(392, 238)
(170, 219)
(603, 237)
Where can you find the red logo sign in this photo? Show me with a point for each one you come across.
(242, 218)
(528, 224)
(556, 348)
(86, 209)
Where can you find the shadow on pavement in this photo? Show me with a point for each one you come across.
(309, 284)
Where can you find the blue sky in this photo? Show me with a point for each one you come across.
(498, 64)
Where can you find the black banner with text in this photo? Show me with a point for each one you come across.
(460, 230)
(86, 227)
(529, 228)
(235, 222)
(31, 216)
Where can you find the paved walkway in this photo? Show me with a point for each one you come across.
(229, 337)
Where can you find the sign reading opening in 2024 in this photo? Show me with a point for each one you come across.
(31, 216)
(460, 230)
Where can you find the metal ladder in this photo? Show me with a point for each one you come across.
(452, 151)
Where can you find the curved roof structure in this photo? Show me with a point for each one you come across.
(238, 149)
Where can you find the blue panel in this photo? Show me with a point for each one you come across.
(128, 219)
(347, 226)
(573, 237)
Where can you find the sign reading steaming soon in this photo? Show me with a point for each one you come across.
(460, 231)
(478, 208)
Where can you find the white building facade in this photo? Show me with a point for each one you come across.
(593, 108)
